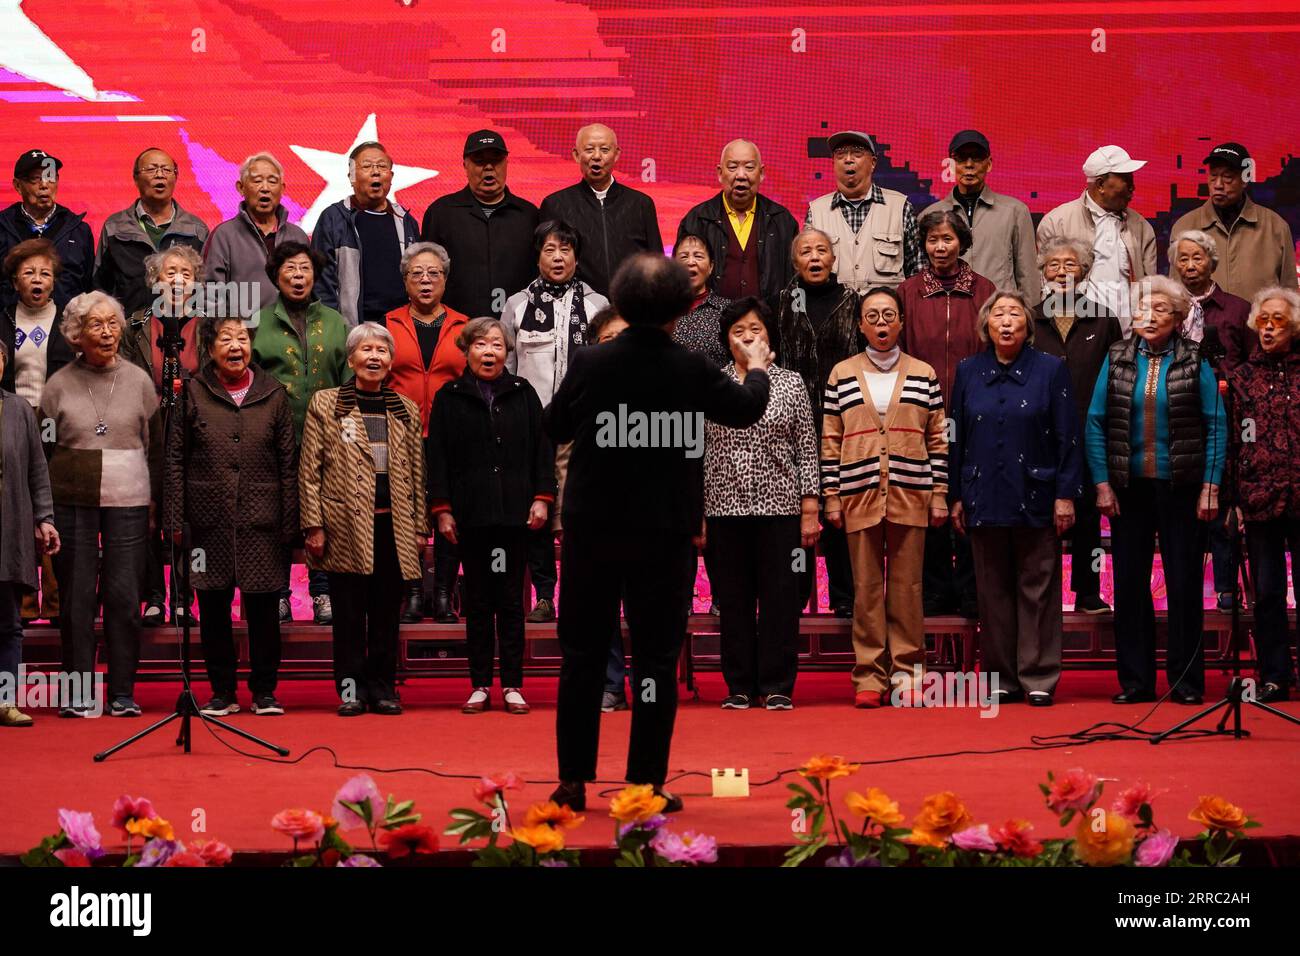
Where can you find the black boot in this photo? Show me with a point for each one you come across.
(442, 612)
(412, 609)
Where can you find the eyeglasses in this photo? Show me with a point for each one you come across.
(426, 273)
(856, 152)
(96, 326)
(881, 318)
(158, 170)
(1271, 322)
(375, 167)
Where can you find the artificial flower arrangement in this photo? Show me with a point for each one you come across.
(392, 826)
(943, 832)
(78, 842)
(640, 835)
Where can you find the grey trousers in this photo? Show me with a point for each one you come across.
(1018, 581)
(85, 579)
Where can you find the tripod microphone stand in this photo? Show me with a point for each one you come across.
(174, 401)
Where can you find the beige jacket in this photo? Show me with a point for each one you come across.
(336, 482)
(1257, 253)
(1004, 251)
(874, 256)
(1074, 221)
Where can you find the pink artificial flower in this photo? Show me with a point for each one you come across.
(489, 787)
(1130, 801)
(299, 824)
(81, 833)
(1073, 790)
(127, 808)
(1157, 849)
(360, 790)
(212, 852)
(975, 838)
(688, 847)
(70, 857)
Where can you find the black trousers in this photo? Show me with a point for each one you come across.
(645, 569)
(1147, 508)
(1268, 543)
(757, 593)
(948, 573)
(262, 614)
(541, 563)
(494, 560)
(1085, 547)
(367, 614)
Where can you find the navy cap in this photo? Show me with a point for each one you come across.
(969, 137)
(483, 139)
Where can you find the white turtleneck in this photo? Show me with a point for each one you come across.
(882, 377)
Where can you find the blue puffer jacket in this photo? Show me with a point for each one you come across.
(73, 241)
(335, 237)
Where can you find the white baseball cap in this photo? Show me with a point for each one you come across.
(1111, 159)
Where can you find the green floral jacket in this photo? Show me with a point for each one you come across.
(302, 370)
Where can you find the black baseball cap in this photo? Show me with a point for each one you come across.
(33, 161)
(1232, 155)
(483, 139)
(969, 137)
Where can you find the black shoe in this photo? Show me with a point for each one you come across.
(1272, 693)
(1010, 696)
(220, 706)
(388, 708)
(778, 702)
(153, 615)
(351, 708)
(1188, 697)
(1225, 599)
(442, 612)
(1040, 698)
(1090, 604)
(674, 804)
(413, 609)
(571, 795)
(844, 610)
(1134, 697)
(265, 705)
(735, 702)
(970, 608)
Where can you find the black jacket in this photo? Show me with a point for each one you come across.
(58, 352)
(624, 224)
(774, 229)
(614, 481)
(488, 465)
(73, 241)
(492, 257)
(1094, 331)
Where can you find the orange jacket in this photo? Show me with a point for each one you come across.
(409, 376)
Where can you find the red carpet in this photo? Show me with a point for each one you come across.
(49, 766)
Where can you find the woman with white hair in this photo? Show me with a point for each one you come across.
(425, 358)
(238, 248)
(103, 410)
(175, 276)
(1014, 473)
(1215, 317)
(1156, 443)
(362, 512)
(1265, 391)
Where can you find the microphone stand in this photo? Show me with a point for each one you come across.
(175, 401)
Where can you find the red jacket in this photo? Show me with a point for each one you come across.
(409, 376)
(939, 328)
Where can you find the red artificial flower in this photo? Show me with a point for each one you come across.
(185, 858)
(408, 839)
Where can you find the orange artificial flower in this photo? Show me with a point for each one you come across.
(541, 838)
(155, 827)
(876, 807)
(1110, 845)
(636, 804)
(826, 767)
(552, 814)
(942, 815)
(1216, 813)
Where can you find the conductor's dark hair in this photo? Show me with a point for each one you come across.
(596, 324)
(651, 289)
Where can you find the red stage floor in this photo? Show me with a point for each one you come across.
(49, 766)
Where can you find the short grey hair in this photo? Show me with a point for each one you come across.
(260, 158)
(367, 331)
(1171, 289)
(419, 249)
(1058, 243)
(476, 329)
(153, 264)
(1202, 239)
(811, 230)
(986, 310)
(1289, 296)
(75, 312)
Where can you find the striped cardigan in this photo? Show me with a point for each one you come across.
(877, 470)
